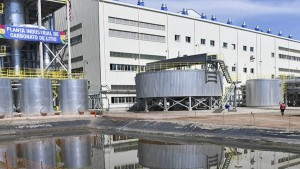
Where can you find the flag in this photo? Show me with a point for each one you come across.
(2, 31)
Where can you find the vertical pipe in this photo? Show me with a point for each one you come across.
(165, 104)
(234, 97)
(14, 15)
(39, 6)
(190, 103)
(69, 40)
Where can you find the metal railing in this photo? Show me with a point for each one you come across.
(2, 51)
(174, 66)
(1, 8)
(36, 73)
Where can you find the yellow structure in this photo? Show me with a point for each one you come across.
(1, 8)
(2, 51)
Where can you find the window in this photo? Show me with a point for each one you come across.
(212, 43)
(202, 41)
(136, 56)
(233, 46)
(136, 36)
(251, 49)
(272, 55)
(245, 70)
(252, 70)
(127, 68)
(225, 45)
(188, 39)
(233, 68)
(244, 48)
(123, 100)
(177, 38)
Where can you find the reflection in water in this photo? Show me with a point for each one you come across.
(40, 151)
(162, 155)
(76, 152)
(119, 152)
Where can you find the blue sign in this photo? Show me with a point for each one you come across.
(34, 34)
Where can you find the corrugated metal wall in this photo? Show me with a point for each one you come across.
(85, 12)
(177, 83)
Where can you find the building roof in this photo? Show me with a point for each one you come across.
(201, 19)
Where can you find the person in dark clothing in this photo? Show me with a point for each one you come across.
(282, 108)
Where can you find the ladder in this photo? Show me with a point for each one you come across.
(228, 93)
(225, 71)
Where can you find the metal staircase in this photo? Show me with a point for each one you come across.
(228, 92)
(227, 161)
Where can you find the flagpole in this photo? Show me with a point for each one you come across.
(69, 39)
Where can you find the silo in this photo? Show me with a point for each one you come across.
(73, 96)
(36, 96)
(263, 92)
(6, 97)
(166, 156)
(76, 152)
(41, 153)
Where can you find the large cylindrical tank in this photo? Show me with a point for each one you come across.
(14, 15)
(36, 96)
(76, 152)
(176, 83)
(164, 156)
(73, 96)
(6, 97)
(40, 152)
(263, 92)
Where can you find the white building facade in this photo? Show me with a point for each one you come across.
(112, 41)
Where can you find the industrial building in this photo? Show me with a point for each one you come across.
(112, 41)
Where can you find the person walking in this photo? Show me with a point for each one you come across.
(282, 108)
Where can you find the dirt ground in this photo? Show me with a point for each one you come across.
(244, 117)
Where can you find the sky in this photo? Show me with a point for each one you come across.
(279, 15)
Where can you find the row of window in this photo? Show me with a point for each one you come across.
(136, 56)
(292, 157)
(128, 166)
(245, 70)
(122, 87)
(132, 68)
(289, 49)
(136, 23)
(289, 70)
(136, 36)
(288, 57)
(123, 100)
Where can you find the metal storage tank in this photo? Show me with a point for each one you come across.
(163, 156)
(36, 96)
(76, 152)
(40, 152)
(6, 97)
(176, 83)
(263, 92)
(73, 96)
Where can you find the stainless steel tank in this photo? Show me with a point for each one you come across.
(14, 15)
(177, 83)
(76, 152)
(73, 96)
(36, 96)
(163, 156)
(263, 92)
(40, 152)
(6, 97)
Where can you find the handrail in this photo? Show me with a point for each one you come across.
(36, 73)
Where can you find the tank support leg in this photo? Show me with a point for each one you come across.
(165, 104)
(146, 105)
(210, 102)
(190, 104)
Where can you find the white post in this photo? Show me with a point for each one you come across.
(39, 6)
(69, 40)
